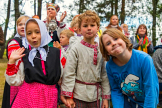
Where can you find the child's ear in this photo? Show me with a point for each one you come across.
(98, 28)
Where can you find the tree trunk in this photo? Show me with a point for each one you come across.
(39, 8)
(5, 30)
(81, 6)
(116, 7)
(154, 3)
(34, 7)
(112, 7)
(53, 1)
(122, 15)
(17, 13)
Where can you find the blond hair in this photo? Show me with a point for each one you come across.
(67, 32)
(115, 33)
(89, 15)
(74, 22)
(21, 18)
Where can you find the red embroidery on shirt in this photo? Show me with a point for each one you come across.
(95, 50)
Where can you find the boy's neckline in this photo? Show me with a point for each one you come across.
(89, 41)
(125, 61)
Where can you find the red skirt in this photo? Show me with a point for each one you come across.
(36, 95)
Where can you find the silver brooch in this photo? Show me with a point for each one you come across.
(52, 25)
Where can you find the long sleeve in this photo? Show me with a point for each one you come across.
(133, 41)
(116, 93)
(157, 58)
(15, 72)
(69, 75)
(1, 36)
(150, 82)
(105, 83)
(62, 26)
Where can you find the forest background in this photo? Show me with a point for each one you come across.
(131, 12)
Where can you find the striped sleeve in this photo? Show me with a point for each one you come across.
(13, 45)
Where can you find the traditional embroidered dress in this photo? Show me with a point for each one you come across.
(42, 71)
(10, 92)
(54, 27)
(135, 39)
(84, 71)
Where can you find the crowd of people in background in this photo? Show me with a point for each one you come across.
(83, 66)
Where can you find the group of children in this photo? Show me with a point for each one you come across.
(44, 54)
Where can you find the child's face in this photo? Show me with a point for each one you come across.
(114, 46)
(125, 28)
(142, 30)
(89, 29)
(114, 20)
(33, 34)
(21, 26)
(51, 12)
(64, 40)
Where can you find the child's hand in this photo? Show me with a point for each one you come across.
(16, 54)
(140, 41)
(105, 103)
(56, 44)
(63, 16)
(63, 99)
(70, 103)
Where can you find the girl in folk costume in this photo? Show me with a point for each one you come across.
(54, 27)
(131, 73)
(114, 23)
(85, 69)
(141, 41)
(41, 69)
(10, 92)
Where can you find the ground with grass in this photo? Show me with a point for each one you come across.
(3, 65)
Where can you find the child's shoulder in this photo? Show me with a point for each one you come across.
(140, 56)
(139, 53)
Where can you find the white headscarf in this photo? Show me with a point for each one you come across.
(45, 39)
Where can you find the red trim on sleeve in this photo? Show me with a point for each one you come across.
(68, 94)
(11, 70)
(106, 96)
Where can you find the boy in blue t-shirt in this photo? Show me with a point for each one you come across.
(131, 73)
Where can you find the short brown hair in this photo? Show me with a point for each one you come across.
(67, 32)
(20, 18)
(89, 15)
(140, 27)
(115, 33)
